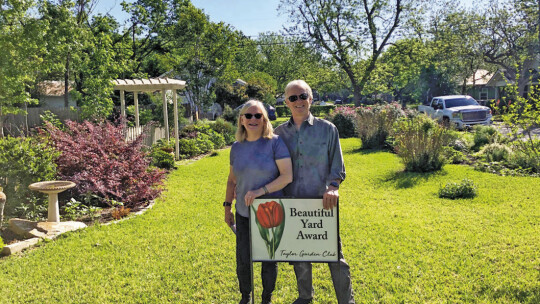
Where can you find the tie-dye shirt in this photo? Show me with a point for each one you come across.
(316, 156)
(254, 165)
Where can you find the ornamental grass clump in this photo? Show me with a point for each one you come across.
(419, 141)
(465, 189)
(101, 162)
(374, 124)
(495, 152)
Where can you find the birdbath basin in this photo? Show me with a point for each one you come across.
(52, 188)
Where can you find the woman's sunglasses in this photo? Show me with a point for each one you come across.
(303, 96)
(249, 115)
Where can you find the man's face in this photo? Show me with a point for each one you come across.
(299, 107)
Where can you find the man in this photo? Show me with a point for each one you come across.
(318, 170)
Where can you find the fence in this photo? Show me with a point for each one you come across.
(15, 125)
(152, 134)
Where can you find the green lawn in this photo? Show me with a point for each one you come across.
(404, 244)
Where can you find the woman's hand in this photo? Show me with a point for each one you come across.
(252, 195)
(229, 217)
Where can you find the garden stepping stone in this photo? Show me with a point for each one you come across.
(19, 246)
(49, 230)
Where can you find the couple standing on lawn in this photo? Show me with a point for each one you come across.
(302, 159)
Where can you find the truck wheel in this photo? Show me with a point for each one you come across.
(446, 122)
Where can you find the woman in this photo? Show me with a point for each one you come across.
(259, 164)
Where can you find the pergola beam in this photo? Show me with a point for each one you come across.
(152, 85)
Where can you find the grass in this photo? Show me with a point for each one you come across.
(404, 244)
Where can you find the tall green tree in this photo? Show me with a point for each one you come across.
(512, 39)
(102, 62)
(63, 42)
(348, 30)
(20, 46)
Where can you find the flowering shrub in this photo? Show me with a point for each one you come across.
(344, 119)
(24, 161)
(374, 123)
(98, 159)
(419, 142)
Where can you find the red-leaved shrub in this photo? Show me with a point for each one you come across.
(98, 159)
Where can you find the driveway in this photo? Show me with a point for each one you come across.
(506, 130)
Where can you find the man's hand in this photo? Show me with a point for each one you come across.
(229, 217)
(330, 198)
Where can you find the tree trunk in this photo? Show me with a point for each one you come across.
(66, 83)
(1, 123)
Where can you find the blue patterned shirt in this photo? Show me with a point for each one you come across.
(316, 156)
(254, 165)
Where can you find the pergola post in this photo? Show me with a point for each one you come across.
(152, 85)
(136, 100)
(123, 104)
(176, 143)
(165, 115)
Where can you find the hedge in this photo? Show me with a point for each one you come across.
(283, 111)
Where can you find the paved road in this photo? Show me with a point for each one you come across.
(505, 130)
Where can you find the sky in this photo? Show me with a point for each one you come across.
(249, 16)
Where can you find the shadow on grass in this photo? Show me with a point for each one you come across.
(516, 294)
(403, 180)
(359, 150)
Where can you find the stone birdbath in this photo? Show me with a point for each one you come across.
(52, 188)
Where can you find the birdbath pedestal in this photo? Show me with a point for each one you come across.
(52, 188)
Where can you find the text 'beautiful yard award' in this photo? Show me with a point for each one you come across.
(289, 230)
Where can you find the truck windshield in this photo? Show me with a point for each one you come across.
(460, 102)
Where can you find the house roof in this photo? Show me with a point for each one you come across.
(480, 77)
(52, 88)
(149, 84)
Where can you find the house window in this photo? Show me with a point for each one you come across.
(484, 94)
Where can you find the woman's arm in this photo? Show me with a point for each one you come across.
(229, 196)
(285, 177)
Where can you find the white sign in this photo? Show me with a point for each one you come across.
(288, 230)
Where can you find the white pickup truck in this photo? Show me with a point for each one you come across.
(461, 110)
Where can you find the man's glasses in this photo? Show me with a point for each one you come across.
(303, 96)
(249, 115)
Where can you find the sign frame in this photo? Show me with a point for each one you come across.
(255, 232)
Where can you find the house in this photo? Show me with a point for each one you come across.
(479, 87)
(51, 95)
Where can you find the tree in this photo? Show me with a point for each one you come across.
(100, 64)
(512, 39)
(63, 41)
(19, 55)
(340, 28)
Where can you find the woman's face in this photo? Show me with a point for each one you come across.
(253, 124)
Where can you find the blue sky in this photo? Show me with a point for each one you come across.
(249, 16)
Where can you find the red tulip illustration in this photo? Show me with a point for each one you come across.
(270, 214)
(270, 218)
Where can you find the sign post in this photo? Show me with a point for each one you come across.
(293, 230)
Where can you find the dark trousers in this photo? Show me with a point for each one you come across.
(243, 267)
(341, 277)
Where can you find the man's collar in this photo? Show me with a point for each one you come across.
(309, 120)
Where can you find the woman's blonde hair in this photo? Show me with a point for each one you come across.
(267, 132)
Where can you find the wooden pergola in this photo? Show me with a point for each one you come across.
(152, 85)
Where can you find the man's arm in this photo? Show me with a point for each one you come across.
(337, 170)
